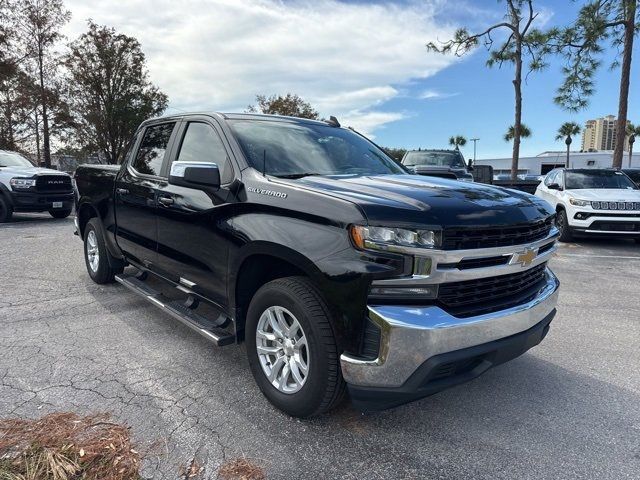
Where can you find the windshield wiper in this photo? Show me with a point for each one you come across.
(299, 175)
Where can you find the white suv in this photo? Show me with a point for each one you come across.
(592, 201)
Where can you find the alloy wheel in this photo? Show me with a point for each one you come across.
(282, 349)
(93, 254)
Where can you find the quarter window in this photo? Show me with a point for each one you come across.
(202, 143)
(152, 149)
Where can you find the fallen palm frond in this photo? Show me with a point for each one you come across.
(241, 469)
(67, 446)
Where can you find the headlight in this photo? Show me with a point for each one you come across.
(22, 182)
(579, 203)
(383, 238)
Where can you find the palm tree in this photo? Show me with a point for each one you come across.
(525, 132)
(457, 141)
(632, 131)
(565, 131)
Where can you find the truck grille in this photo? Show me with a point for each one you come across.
(487, 295)
(53, 183)
(471, 237)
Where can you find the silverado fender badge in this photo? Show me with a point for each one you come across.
(524, 258)
(271, 193)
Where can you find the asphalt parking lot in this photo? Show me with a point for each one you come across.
(569, 408)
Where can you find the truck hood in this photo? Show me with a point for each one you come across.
(606, 194)
(29, 171)
(420, 200)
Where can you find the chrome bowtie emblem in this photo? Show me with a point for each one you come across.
(524, 258)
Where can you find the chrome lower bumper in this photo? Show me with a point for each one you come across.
(411, 335)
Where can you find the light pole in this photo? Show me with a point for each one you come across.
(474, 140)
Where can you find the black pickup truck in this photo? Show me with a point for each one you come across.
(438, 163)
(338, 268)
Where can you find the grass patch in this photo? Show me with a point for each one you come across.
(67, 446)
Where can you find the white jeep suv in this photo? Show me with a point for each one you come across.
(592, 201)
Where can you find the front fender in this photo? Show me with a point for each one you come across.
(323, 251)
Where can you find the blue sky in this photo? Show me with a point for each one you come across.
(362, 61)
(479, 102)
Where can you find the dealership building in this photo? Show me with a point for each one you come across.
(547, 161)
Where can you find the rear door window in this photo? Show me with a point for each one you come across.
(148, 160)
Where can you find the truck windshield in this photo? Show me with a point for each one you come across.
(11, 159)
(296, 150)
(575, 180)
(438, 159)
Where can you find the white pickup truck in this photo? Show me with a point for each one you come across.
(26, 188)
(593, 202)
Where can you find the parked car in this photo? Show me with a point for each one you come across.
(593, 201)
(531, 177)
(438, 163)
(633, 174)
(337, 267)
(26, 188)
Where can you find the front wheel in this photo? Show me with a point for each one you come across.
(6, 211)
(563, 225)
(292, 349)
(60, 213)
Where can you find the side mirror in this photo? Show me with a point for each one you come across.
(554, 186)
(198, 175)
(470, 165)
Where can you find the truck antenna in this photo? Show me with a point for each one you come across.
(333, 121)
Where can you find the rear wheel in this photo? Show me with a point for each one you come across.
(563, 225)
(96, 255)
(60, 213)
(292, 349)
(6, 210)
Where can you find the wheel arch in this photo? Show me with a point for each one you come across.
(6, 194)
(261, 263)
(86, 212)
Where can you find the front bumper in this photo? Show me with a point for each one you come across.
(609, 224)
(418, 344)
(40, 202)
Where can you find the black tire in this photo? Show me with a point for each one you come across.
(324, 386)
(637, 240)
(566, 235)
(6, 210)
(103, 272)
(60, 213)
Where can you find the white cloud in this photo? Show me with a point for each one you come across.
(346, 59)
(435, 94)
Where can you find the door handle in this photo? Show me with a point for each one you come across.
(166, 201)
(122, 191)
